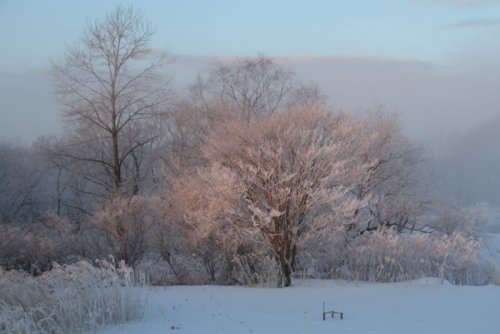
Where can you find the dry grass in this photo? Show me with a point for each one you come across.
(72, 299)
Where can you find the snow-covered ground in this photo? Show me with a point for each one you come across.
(422, 306)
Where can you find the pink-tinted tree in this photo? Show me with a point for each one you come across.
(272, 180)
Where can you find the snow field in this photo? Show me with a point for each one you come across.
(421, 306)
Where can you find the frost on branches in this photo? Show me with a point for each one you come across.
(311, 189)
(271, 182)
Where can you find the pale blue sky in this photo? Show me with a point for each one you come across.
(435, 62)
(32, 32)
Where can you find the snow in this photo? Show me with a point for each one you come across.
(426, 305)
(422, 306)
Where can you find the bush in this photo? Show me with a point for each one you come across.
(32, 246)
(70, 299)
(125, 222)
(388, 256)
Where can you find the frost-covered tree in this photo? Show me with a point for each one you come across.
(272, 181)
(450, 217)
(395, 181)
(255, 85)
(243, 88)
(113, 88)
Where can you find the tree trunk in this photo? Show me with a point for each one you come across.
(117, 174)
(285, 279)
(137, 174)
(284, 250)
(285, 260)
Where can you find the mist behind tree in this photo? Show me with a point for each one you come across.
(470, 164)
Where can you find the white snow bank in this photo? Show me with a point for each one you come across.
(421, 306)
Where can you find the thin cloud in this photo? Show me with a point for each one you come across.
(481, 22)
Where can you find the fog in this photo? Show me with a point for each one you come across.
(433, 101)
(451, 109)
(27, 106)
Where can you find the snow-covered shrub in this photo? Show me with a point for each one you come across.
(450, 218)
(388, 256)
(125, 222)
(495, 273)
(33, 245)
(68, 299)
(178, 270)
(253, 266)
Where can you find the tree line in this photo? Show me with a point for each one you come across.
(247, 177)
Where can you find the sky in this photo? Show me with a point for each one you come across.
(436, 62)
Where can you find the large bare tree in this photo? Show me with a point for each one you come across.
(114, 88)
(255, 85)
